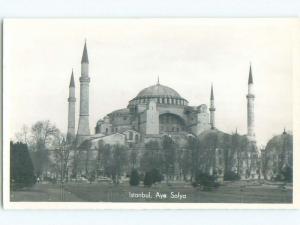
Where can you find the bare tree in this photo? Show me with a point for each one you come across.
(44, 134)
(62, 157)
(43, 137)
(23, 135)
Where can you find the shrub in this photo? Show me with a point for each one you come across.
(134, 178)
(92, 177)
(207, 182)
(277, 177)
(231, 176)
(156, 175)
(148, 180)
(50, 180)
(288, 174)
(21, 167)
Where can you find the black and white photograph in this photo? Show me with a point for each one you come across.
(126, 111)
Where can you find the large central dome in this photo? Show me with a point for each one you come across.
(161, 94)
(158, 90)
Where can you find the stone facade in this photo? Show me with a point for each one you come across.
(152, 119)
(159, 111)
(156, 110)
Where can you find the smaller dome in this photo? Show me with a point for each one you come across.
(120, 111)
(202, 108)
(277, 142)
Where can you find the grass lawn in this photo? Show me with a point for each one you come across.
(227, 193)
(235, 192)
(43, 193)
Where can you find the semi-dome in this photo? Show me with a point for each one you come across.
(158, 90)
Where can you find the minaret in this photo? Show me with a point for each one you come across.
(71, 110)
(83, 125)
(212, 108)
(250, 107)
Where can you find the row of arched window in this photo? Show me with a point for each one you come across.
(136, 137)
(161, 100)
(170, 129)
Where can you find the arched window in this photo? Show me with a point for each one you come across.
(136, 138)
(130, 135)
(97, 130)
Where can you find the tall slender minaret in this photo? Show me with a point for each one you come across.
(212, 108)
(250, 107)
(71, 110)
(83, 125)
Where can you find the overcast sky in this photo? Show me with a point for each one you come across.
(127, 55)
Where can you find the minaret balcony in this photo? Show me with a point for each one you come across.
(84, 79)
(71, 99)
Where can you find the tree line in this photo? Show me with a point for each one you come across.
(214, 153)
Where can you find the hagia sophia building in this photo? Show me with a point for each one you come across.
(156, 110)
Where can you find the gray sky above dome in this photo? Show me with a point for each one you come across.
(126, 55)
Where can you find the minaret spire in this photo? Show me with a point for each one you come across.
(250, 78)
(71, 110)
(250, 107)
(72, 82)
(85, 58)
(83, 125)
(211, 92)
(212, 108)
(284, 131)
